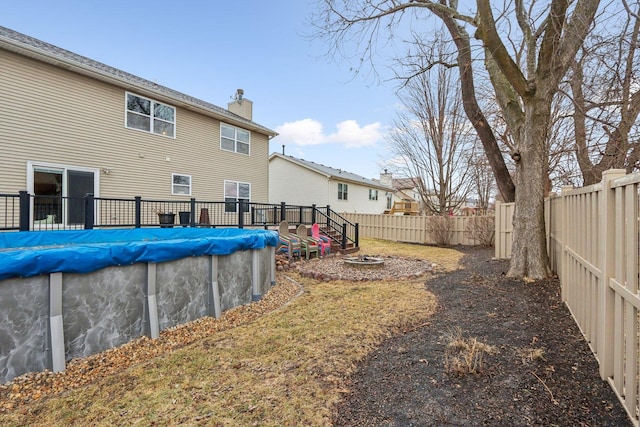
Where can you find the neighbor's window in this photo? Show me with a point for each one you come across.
(150, 116)
(342, 191)
(234, 191)
(373, 194)
(234, 139)
(180, 184)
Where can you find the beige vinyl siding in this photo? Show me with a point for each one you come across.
(52, 115)
(295, 184)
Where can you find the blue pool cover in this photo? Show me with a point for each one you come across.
(30, 253)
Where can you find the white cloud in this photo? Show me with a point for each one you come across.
(311, 132)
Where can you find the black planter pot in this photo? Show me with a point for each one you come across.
(166, 219)
(185, 218)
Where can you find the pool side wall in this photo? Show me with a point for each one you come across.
(47, 320)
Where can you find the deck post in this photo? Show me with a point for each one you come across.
(138, 213)
(89, 211)
(25, 217)
(192, 218)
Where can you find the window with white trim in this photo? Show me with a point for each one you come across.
(373, 194)
(180, 184)
(234, 139)
(235, 191)
(342, 191)
(150, 116)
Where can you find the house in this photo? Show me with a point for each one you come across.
(71, 126)
(405, 198)
(302, 182)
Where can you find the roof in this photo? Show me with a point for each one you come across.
(36, 49)
(405, 183)
(332, 173)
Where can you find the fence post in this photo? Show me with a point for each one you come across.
(497, 240)
(138, 211)
(24, 217)
(300, 213)
(564, 234)
(344, 236)
(313, 214)
(283, 211)
(606, 295)
(89, 211)
(241, 213)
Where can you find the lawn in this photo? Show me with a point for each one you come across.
(287, 367)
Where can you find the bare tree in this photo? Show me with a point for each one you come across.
(604, 88)
(480, 177)
(431, 137)
(525, 71)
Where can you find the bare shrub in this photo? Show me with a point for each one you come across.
(482, 229)
(440, 228)
(465, 355)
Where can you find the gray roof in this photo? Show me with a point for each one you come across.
(330, 172)
(42, 51)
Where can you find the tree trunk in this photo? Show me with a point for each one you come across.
(529, 249)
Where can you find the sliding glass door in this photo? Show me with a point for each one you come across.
(59, 192)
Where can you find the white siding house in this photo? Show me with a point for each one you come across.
(302, 182)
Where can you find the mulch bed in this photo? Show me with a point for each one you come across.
(541, 372)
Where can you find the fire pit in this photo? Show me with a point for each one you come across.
(364, 261)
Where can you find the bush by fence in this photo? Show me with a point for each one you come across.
(409, 228)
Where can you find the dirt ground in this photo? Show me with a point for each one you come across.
(536, 369)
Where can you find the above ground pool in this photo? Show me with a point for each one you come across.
(66, 294)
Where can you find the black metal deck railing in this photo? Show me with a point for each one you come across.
(28, 212)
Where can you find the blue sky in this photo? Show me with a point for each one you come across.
(208, 49)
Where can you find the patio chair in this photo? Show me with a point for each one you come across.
(309, 244)
(288, 243)
(323, 241)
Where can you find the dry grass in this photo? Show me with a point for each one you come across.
(465, 355)
(530, 354)
(446, 259)
(283, 369)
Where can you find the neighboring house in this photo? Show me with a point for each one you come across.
(405, 193)
(70, 125)
(301, 182)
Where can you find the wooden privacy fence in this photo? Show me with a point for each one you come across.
(592, 236)
(406, 228)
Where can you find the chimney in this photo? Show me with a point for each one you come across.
(386, 178)
(241, 106)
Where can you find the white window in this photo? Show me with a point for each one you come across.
(373, 194)
(234, 139)
(235, 191)
(180, 184)
(150, 116)
(342, 191)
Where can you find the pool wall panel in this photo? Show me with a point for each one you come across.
(102, 309)
(23, 325)
(111, 306)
